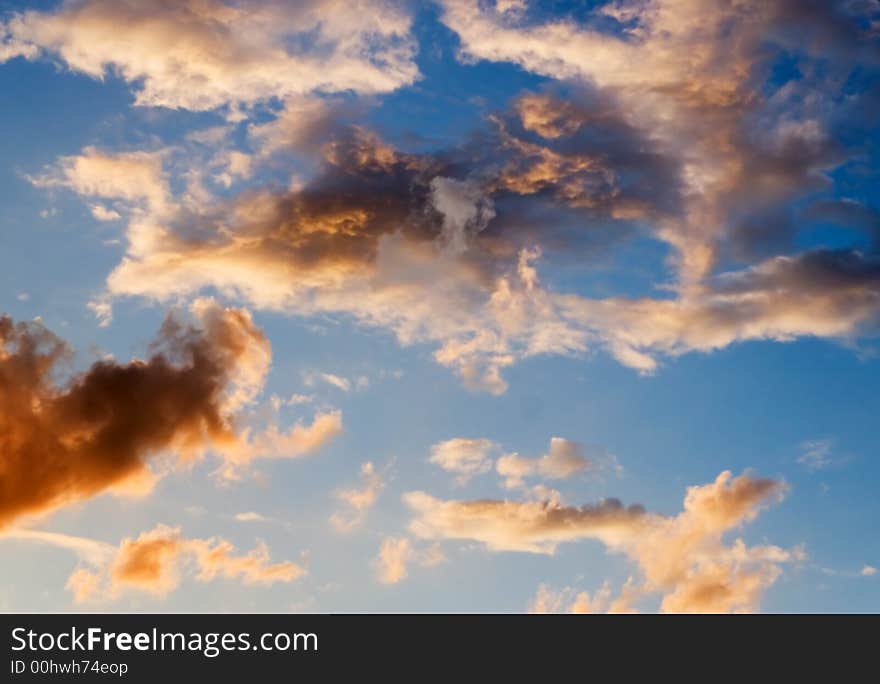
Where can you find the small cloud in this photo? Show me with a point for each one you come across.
(23, 297)
(340, 382)
(102, 213)
(337, 381)
(297, 399)
(103, 311)
(395, 555)
(868, 571)
(564, 459)
(250, 516)
(816, 454)
(464, 457)
(358, 500)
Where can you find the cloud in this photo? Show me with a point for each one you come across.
(156, 561)
(466, 211)
(250, 516)
(362, 238)
(530, 526)
(397, 553)
(564, 459)
(698, 101)
(274, 443)
(137, 178)
(816, 454)
(700, 152)
(204, 54)
(103, 428)
(868, 571)
(102, 213)
(341, 383)
(682, 557)
(89, 550)
(103, 311)
(548, 600)
(358, 500)
(464, 457)
(394, 555)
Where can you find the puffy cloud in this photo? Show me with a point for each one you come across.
(868, 571)
(698, 101)
(465, 208)
(532, 526)
(683, 557)
(464, 457)
(469, 457)
(137, 178)
(204, 54)
(358, 500)
(156, 560)
(563, 460)
(365, 238)
(443, 248)
(824, 293)
(101, 430)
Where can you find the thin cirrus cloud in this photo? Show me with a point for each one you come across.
(101, 430)
(204, 54)
(682, 557)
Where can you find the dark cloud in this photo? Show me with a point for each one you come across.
(70, 442)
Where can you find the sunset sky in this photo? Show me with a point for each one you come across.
(326, 305)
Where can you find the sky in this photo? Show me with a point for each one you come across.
(467, 306)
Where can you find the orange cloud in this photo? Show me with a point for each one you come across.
(204, 54)
(358, 500)
(103, 427)
(683, 557)
(156, 560)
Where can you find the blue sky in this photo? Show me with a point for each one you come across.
(695, 189)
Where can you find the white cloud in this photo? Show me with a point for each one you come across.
(250, 516)
(816, 454)
(683, 557)
(103, 213)
(204, 54)
(464, 457)
(564, 459)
